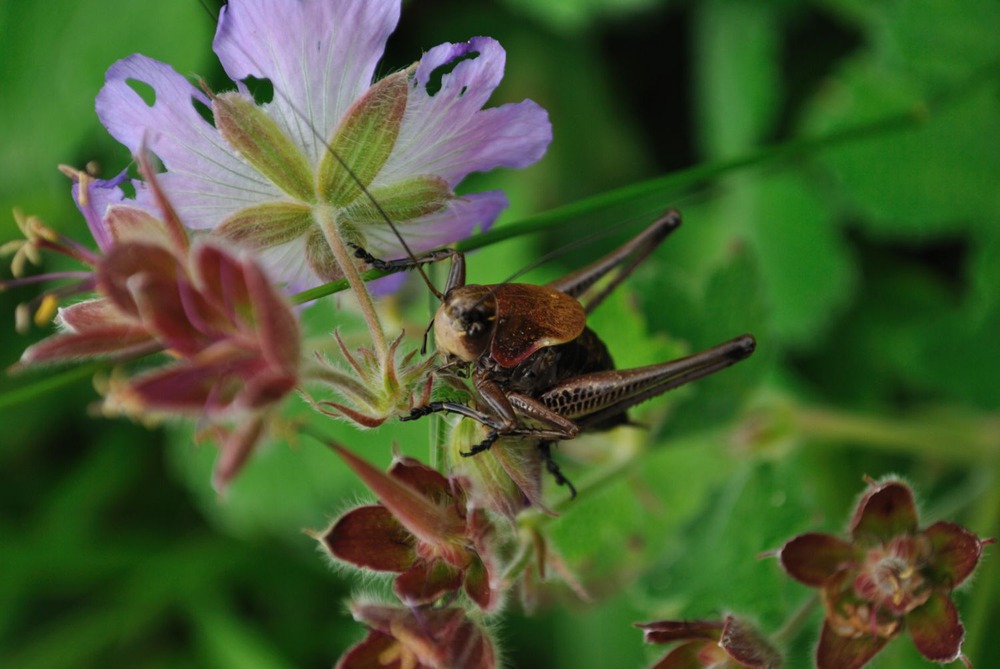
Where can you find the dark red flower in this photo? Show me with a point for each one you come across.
(232, 336)
(423, 529)
(731, 643)
(419, 638)
(889, 577)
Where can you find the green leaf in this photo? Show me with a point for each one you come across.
(609, 533)
(574, 15)
(806, 270)
(226, 640)
(291, 480)
(732, 306)
(912, 183)
(936, 41)
(48, 112)
(754, 509)
(737, 74)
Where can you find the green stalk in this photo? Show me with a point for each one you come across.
(663, 188)
(966, 438)
(328, 224)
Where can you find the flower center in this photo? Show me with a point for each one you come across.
(892, 577)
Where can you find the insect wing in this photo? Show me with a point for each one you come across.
(532, 317)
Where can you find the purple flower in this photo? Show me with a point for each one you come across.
(265, 176)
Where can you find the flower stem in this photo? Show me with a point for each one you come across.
(963, 437)
(327, 218)
(795, 621)
(985, 521)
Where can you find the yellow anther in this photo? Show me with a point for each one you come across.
(69, 171)
(17, 264)
(46, 310)
(84, 192)
(397, 653)
(20, 220)
(82, 177)
(22, 318)
(37, 228)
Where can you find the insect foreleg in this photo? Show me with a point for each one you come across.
(510, 408)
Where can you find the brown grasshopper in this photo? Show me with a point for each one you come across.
(537, 369)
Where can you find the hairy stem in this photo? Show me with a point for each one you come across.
(327, 218)
(795, 621)
(940, 434)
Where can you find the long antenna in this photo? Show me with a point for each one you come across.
(340, 160)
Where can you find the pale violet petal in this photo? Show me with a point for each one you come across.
(94, 201)
(202, 167)
(447, 133)
(285, 264)
(319, 55)
(460, 219)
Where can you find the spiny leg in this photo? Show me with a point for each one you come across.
(484, 445)
(622, 260)
(545, 449)
(401, 263)
(449, 407)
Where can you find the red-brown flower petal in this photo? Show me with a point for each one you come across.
(161, 304)
(116, 341)
(430, 482)
(686, 656)
(441, 638)
(814, 557)
(478, 586)
(668, 631)
(429, 522)
(96, 314)
(265, 388)
(839, 652)
(187, 388)
(885, 511)
(371, 653)
(221, 280)
(123, 261)
(426, 582)
(936, 629)
(131, 224)
(469, 648)
(745, 644)
(370, 537)
(956, 553)
(276, 324)
(235, 450)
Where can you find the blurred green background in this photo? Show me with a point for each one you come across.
(869, 271)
